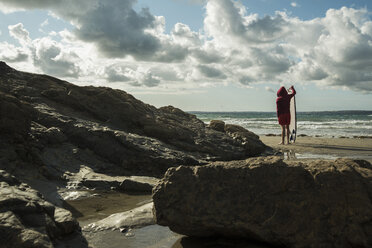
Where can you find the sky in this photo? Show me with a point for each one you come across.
(199, 55)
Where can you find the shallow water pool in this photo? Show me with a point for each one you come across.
(102, 204)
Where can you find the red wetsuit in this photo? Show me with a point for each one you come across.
(282, 105)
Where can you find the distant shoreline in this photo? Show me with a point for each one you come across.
(270, 112)
(320, 136)
(332, 124)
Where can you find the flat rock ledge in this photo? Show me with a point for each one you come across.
(137, 217)
(292, 204)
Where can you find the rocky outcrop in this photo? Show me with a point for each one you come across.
(108, 130)
(58, 138)
(294, 204)
(27, 220)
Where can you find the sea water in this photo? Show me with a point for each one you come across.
(327, 123)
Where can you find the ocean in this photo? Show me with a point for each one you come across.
(326, 123)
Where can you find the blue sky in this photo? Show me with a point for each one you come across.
(208, 55)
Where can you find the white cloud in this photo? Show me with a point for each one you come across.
(294, 4)
(114, 26)
(13, 54)
(54, 59)
(131, 75)
(235, 46)
(342, 54)
(226, 21)
(18, 32)
(211, 71)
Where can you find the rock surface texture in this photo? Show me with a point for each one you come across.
(108, 130)
(27, 220)
(295, 204)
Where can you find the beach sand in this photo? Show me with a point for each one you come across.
(324, 148)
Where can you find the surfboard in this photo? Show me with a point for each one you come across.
(293, 123)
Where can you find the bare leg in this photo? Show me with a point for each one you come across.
(283, 133)
(287, 130)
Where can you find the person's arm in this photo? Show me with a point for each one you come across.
(293, 91)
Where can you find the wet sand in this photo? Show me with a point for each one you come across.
(324, 148)
(91, 209)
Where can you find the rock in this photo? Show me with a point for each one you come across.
(100, 184)
(15, 118)
(123, 135)
(14, 234)
(64, 220)
(138, 217)
(293, 204)
(240, 131)
(217, 125)
(27, 220)
(129, 185)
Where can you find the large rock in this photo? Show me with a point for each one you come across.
(295, 204)
(113, 132)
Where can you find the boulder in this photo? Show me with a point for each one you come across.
(232, 129)
(14, 234)
(217, 125)
(27, 220)
(132, 186)
(292, 204)
(64, 220)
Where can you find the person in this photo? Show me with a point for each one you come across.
(282, 110)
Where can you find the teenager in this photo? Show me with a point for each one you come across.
(282, 111)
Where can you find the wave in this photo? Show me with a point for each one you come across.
(314, 124)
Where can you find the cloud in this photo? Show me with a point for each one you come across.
(227, 21)
(49, 56)
(116, 74)
(211, 72)
(183, 35)
(294, 4)
(334, 50)
(131, 75)
(46, 54)
(12, 54)
(113, 26)
(18, 32)
(234, 46)
(342, 54)
(193, 1)
(145, 79)
(118, 30)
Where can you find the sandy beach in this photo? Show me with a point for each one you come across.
(325, 148)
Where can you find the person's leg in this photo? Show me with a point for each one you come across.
(287, 130)
(283, 133)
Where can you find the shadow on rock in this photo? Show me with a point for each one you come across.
(217, 242)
